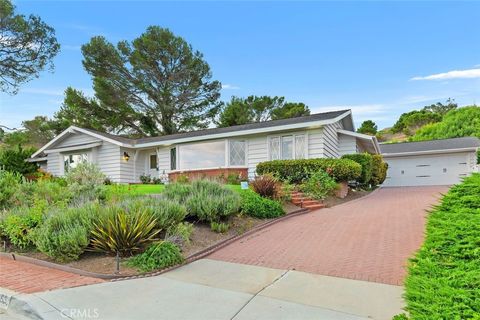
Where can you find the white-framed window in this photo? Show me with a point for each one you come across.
(237, 152)
(274, 148)
(71, 161)
(287, 147)
(300, 146)
(173, 158)
(202, 155)
(153, 162)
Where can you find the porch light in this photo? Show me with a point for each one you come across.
(126, 156)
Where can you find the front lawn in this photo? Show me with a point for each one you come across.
(444, 276)
(137, 189)
(145, 189)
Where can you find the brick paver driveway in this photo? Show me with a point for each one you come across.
(29, 278)
(367, 239)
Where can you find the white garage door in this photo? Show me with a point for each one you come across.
(442, 169)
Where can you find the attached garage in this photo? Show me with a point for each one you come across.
(427, 163)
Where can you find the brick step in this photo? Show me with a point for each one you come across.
(314, 206)
(305, 201)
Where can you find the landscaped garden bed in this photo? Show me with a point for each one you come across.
(80, 222)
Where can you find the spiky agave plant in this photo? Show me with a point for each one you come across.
(123, 232)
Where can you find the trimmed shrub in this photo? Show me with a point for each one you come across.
(319, 185)
(65, 233)
(219, 227)
(159, 255)
(119, 231)
(263, 208)
(85, 182)
(265, 185)
(365, 160)
(379, 170)
(443, 278)
(296, 171)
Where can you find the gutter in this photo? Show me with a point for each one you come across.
(413, 153)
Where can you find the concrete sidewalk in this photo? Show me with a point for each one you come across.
(209, 289)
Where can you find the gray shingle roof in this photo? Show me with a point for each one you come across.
(267, 124)
(431, 145)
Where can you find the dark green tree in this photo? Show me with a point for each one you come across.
(257, 109)
(27, 46)
(14, 160)
(368, 127)
(290, 110)
(156, 84)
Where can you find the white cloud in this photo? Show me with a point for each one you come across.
(229, 87)
(455, 74)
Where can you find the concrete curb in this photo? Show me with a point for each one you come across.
(18, 304)
(191, 258)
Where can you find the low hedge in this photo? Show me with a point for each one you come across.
(296, 171)
(365, 160)
(443, 279)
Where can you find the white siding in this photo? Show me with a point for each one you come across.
(330, 134)
(164, 160)
(347, 144)
(75, 139)
(108, 160)
(53, 163)
(315, 144)
(257, 151)
(126, 167)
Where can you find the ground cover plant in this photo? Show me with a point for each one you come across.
(319, 185)
(443, 279)
(158, 255)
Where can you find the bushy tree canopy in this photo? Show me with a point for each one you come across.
(257, 109)
(154, 85)
(27, 46)
(461, 122)
(368, 127)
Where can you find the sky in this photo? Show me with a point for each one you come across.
(379, 59)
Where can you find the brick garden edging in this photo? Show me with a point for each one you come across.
(196, 256)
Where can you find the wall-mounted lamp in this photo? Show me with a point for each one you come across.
(126, 156)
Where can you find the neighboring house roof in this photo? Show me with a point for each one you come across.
(313, 120)
(431, 146)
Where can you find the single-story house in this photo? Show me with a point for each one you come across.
(434, 162)
(230, 150)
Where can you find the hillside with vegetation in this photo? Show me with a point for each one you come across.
(437, 121)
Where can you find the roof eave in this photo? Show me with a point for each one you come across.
(412, 153)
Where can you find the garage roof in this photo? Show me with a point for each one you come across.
(430, 146)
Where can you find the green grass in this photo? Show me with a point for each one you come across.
(443, 279)
(145, 189)
(136, 189)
